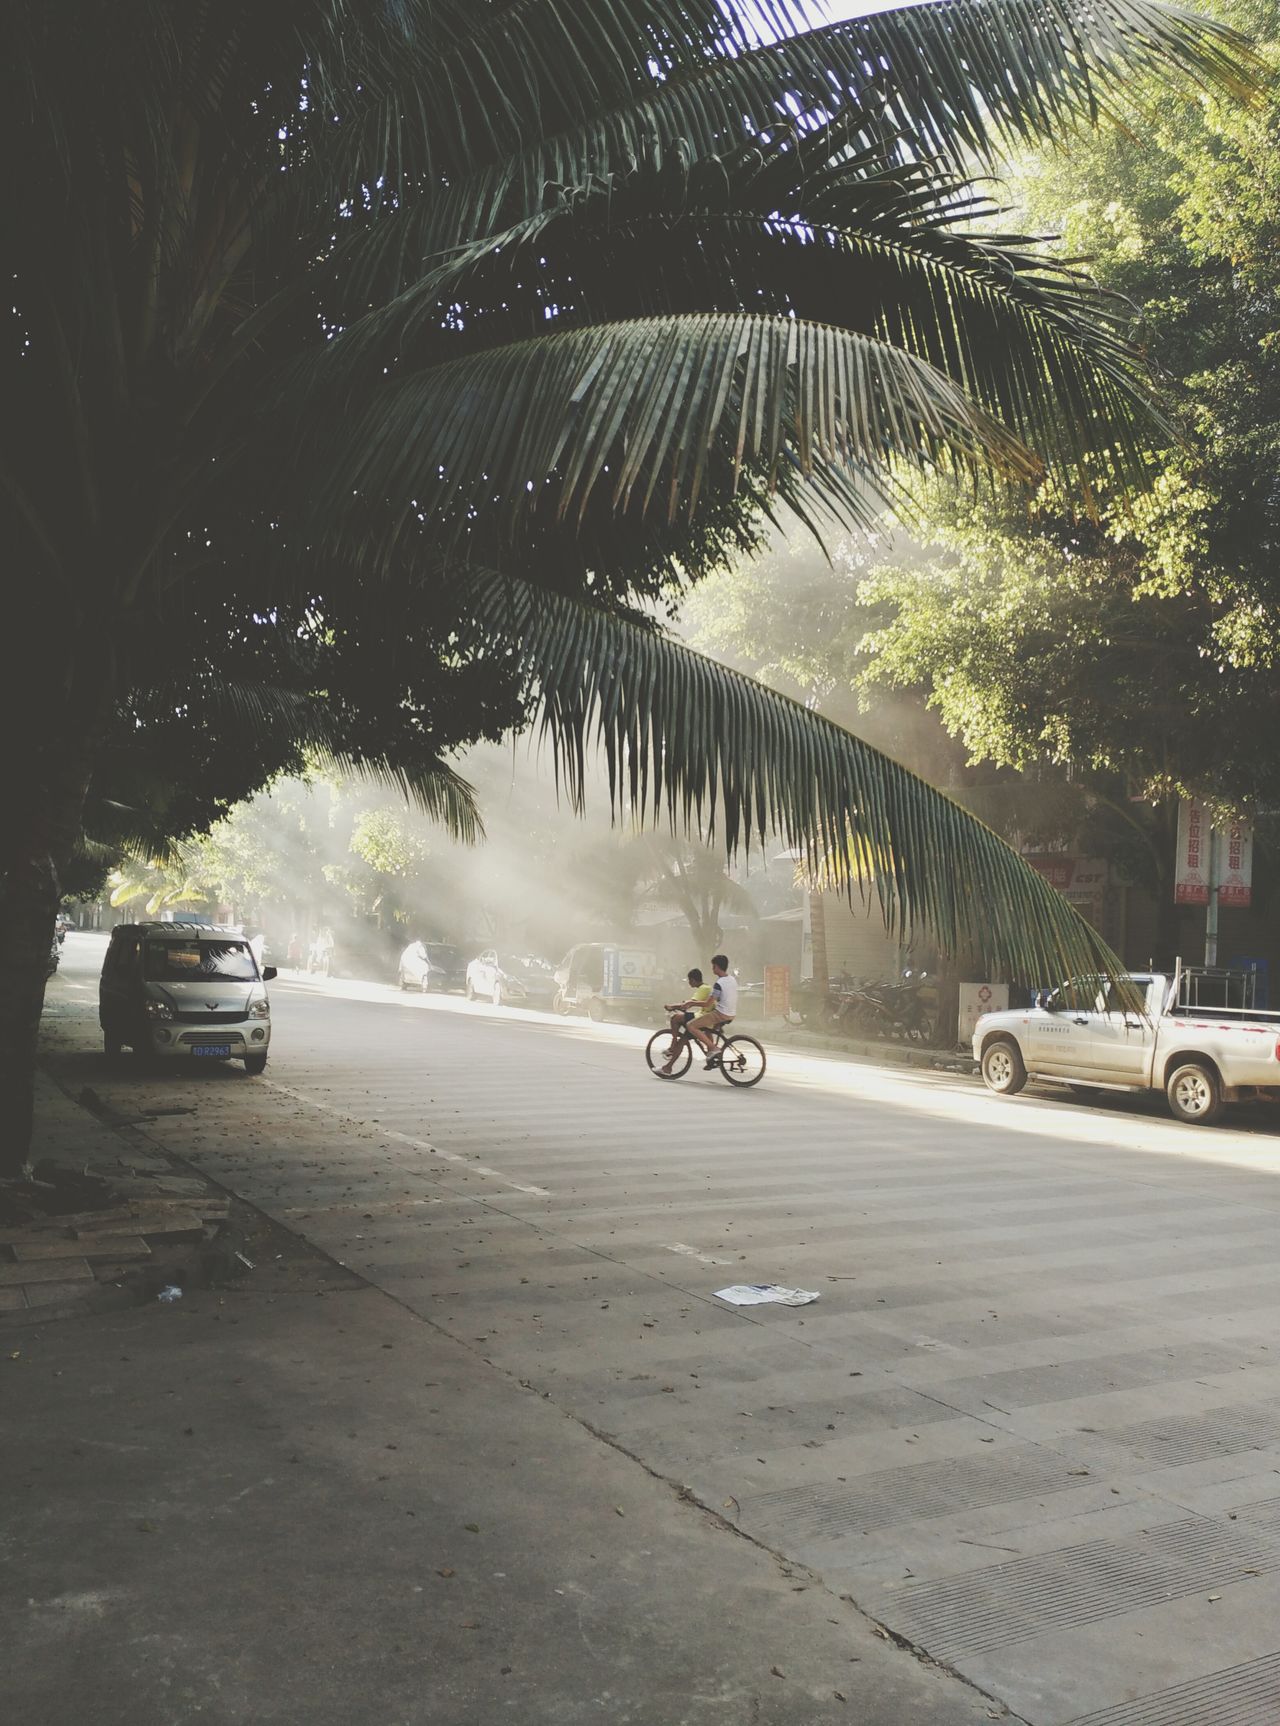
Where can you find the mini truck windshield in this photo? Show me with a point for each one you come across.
(199, 962)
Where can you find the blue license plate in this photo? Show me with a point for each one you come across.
(220, 1049)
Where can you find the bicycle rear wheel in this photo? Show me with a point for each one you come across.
(658, 1049)
(742, 1061)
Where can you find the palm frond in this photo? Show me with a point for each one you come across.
(962, 77)
(655, 414)
(439, 792)
(863, 242)
(688, 741)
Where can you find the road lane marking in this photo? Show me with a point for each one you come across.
(414, 1144)
(693, 1253)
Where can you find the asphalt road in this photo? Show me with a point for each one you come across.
(1032, 1422)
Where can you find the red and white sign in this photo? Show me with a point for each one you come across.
(1082, 881)
(977, 999)
(1235, 864)
(1191, 868)
(1234, 859)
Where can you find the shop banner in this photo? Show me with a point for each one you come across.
(1235, 864)
(1234, 859)
(1191, 868)
(777, 991)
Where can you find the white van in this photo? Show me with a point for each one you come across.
(182, 989)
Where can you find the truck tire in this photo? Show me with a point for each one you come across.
(1194, 1091)
(1003, 1070)
(255, 1064)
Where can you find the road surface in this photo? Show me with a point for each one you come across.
(1032, 1423)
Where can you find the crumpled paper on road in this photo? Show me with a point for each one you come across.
(765, 1294)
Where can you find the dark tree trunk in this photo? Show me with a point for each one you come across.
(43, 820)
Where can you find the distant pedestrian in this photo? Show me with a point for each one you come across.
(293, 957)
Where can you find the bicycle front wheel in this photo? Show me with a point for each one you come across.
(742, 1061)
(658, 1050)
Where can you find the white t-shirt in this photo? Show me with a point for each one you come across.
(724, 994)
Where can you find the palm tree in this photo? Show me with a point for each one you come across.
(155, 887)
(692, 879)
(508, 316)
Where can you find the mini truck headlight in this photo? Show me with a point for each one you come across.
(159, 1010)
(260, 1009)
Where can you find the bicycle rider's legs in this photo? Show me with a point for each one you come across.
(679, 1037)
(704, 1028)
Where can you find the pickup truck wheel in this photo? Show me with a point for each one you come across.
(1002, 1067)
(1195, 1093)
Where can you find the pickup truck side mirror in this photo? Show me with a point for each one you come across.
(269, 973)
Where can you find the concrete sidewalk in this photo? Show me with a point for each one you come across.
(313, 1505)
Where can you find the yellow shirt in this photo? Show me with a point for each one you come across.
(701, 993)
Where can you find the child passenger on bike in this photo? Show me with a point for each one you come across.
(685, 1012)
(682, 1012)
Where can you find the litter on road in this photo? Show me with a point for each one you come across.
(765, 1294)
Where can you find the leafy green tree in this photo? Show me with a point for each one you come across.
(1038, 649)
(437, 334)
(1135, 655)
(1184, 221)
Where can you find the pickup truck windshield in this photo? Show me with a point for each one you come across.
(199, 962)
(1101, 995)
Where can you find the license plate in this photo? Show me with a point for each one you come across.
(221, 1049)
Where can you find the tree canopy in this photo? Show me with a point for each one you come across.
(1144, 644)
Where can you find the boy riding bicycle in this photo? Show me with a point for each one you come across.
(703, 1015)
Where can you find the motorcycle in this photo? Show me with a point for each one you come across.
(893, 1012)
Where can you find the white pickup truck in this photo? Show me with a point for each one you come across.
(1193, 1034)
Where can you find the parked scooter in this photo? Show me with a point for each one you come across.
(905, 1011)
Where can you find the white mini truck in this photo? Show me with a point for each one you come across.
(1193, 1034)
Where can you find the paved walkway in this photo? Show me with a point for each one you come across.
(1032, 1426)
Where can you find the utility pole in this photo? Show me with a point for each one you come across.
(1211, 909)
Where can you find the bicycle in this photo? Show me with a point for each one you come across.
(741, 1059)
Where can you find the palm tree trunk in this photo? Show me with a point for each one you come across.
(45, 810)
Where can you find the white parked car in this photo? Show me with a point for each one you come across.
(1193, 1035)
(511, 979)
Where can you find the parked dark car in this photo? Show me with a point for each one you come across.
(431, 966)
(514, 978)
